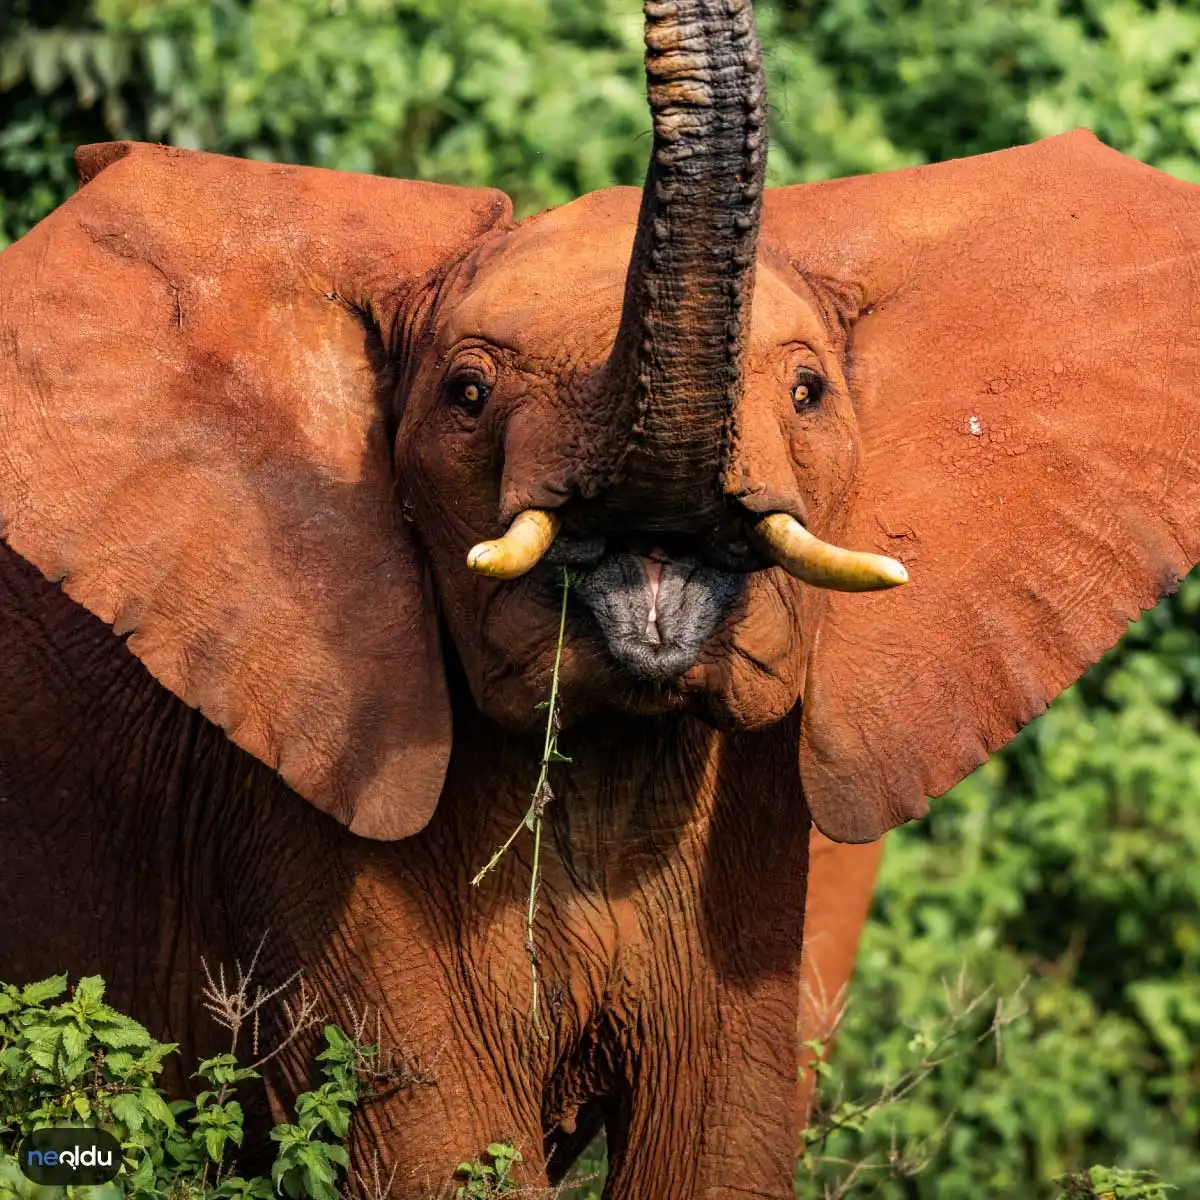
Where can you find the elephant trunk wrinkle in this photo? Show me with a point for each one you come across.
(679, 352)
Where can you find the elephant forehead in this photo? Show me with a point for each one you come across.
(554, 281)
(780, 315)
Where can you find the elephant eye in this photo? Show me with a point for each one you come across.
(467, 391)
(807, 390)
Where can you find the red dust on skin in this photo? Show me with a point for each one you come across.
(542, 301)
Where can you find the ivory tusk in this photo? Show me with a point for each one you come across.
(518, 551)
(806, 557)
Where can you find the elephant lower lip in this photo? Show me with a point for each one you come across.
(656, 634)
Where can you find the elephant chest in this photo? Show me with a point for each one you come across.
(661, 917)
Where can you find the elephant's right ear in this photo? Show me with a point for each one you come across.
(1025, 370)
(194, 445)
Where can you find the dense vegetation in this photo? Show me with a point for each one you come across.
(1072, 857)
(67, 1057)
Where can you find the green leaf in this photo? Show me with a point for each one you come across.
(127, 1109)
(338, 1044)
(43, 1050)
(122, 1036)
(151, 1059)
(224, 1069)
(289, 1136)
(118, 1065)
(340, 1057)
(74, 1041)
(104, 1191)
(155, 1107)
(44, 989)
(236, 1188)
(315, 1157)
(142, 1179)
(188, 1154)
(89, 990)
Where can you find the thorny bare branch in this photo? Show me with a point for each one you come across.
(832, 1114)
(385, 1067)
(304, 1015)
(373, 1188)
(232, 1005)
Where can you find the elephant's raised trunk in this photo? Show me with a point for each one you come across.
(681, 344)
(679, 356)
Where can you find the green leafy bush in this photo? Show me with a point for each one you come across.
(79, 1062)
(1105, 1183)
(1070, 859)
(493, 1177)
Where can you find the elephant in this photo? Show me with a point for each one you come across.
(830, 488)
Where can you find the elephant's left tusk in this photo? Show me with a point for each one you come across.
(518, 551)
(804, 556)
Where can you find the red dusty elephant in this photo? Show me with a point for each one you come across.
(254, 421)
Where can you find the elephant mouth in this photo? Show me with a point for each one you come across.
(655, 605)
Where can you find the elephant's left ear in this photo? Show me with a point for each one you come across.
(193, 440)
(1026, 372)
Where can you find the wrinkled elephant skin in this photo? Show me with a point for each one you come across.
(185, 846)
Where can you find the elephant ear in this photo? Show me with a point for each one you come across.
(1026, 372)
(195, 444)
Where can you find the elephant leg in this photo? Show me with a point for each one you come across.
(717, 1118)
(441, 1094)
(417, 1136)
(711, 1107)
(445, 1090)
(841, 885)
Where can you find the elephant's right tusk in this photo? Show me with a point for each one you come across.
(518, 551)
(804, 556)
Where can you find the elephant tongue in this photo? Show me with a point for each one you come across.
(652, 567)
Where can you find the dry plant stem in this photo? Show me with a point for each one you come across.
(231, 1008)
(384, 1069)
(826, 1120)
(375, 1188)
(542, 795)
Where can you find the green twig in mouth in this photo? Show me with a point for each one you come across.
(542, 795)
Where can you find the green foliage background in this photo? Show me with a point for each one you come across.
(1072, 857)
